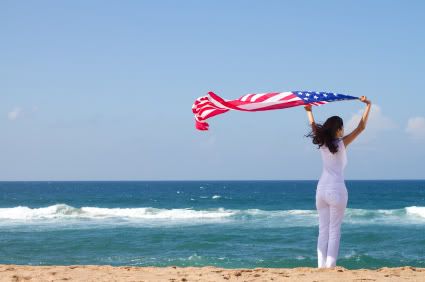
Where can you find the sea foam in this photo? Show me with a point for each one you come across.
(417, 211)
(65, 211)
(407, 215)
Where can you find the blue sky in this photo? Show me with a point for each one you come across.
(102, 90)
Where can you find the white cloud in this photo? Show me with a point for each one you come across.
(377, 122)
(416, 128)
(14, 114)
(19, 112)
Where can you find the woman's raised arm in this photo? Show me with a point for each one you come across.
(362, 124)
(310, 118)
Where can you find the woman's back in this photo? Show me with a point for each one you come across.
(333, 165)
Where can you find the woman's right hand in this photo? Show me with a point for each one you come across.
(364, 100)
(307, 108)
(362, 124)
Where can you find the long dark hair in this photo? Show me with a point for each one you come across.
(325, 134)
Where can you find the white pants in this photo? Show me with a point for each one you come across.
(331, 202)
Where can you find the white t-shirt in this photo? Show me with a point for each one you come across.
(333, 165)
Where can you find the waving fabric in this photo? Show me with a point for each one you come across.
(211, 105)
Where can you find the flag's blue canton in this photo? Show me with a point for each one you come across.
(310, 96)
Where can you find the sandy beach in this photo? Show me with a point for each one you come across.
(209, 273)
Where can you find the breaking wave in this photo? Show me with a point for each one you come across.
(54, 213)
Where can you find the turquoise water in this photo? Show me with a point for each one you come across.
(222, 223)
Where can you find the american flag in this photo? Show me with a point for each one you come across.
(211, 105)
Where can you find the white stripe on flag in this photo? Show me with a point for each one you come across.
(206, 112)
(243, 99)
(256, 96)
(217, 103)
(260, 105)
(277, 97)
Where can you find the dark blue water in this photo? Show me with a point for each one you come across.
(223, 223)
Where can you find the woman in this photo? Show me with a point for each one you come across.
(331, 193)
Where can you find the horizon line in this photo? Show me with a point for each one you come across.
(211, 180)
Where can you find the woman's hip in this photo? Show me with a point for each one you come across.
(335, 195)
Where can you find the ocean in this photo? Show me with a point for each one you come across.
(230, 224)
